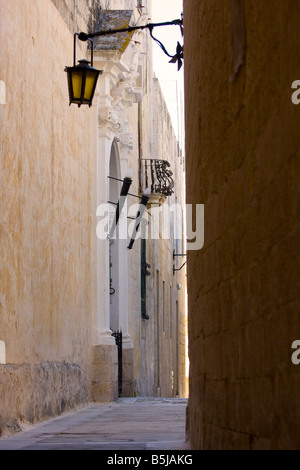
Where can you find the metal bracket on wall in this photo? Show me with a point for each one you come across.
(176, 58)
(174, 256)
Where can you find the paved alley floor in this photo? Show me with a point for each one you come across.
(127, 424)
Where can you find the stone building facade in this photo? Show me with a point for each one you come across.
(64, 290)
(242, 151)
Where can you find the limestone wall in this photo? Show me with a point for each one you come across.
(242, 149)
(49, 358)
(33, 392)
(45, 216)
(159, 342)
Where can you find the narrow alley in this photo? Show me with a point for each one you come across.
(127, 424)
(150, 228)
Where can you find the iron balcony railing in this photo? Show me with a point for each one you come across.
(156, 174)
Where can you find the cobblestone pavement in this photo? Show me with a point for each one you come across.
(127, 424)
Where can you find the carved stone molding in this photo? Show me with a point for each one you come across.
(109, 117)
(117, 90)
(126, 142)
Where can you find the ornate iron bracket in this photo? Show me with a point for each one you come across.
(157, 175)
(178, 57)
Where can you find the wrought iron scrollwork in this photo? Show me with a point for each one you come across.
(157, 175)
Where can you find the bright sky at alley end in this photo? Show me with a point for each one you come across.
(170, 79)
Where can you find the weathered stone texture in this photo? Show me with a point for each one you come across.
(127, 372)
(44, 390)
(48, 285)
(242, 145)
(82, 15)
(159, 366)
(78, 15)
(104, 373)
(45, 207)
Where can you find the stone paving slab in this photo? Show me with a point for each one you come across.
(127, 424)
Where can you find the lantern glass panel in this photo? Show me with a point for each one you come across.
(90, 80)
(77, 84)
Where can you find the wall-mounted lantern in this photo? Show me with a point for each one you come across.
(82, 79)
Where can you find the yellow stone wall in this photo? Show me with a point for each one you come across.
(162, 338)
(46, 263)
(242, 145)
(45, 208)
(152, 343)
